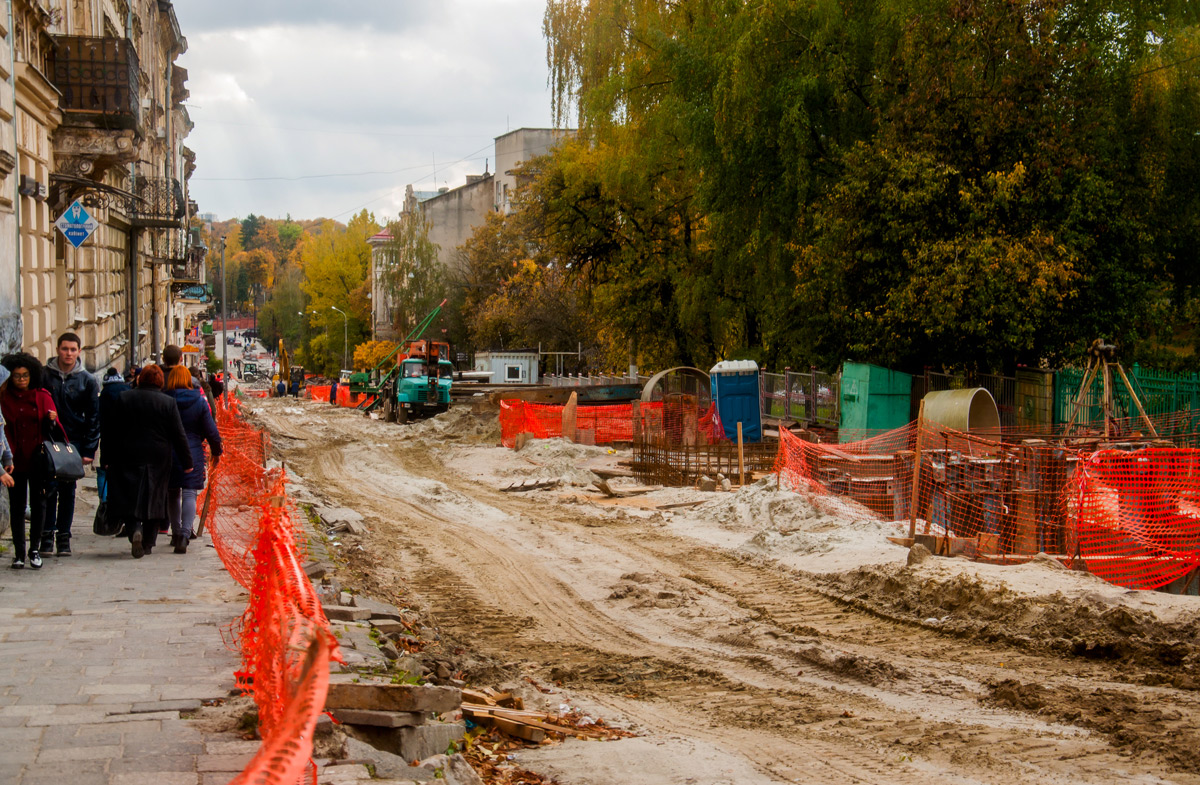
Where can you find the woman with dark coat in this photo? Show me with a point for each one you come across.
(152, 433)
(200, 426)
(28, 415)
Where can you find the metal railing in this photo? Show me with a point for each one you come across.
(171, 246)
(813, 398)
(96, 75)
(158, 201)
(587, 380)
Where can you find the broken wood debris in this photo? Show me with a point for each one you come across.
(608, 490)
(531, 485)
(533, 725)
(677, 505)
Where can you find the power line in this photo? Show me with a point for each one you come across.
(467, 157)
(339, 131)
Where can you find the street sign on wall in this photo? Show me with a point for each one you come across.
(76, 224)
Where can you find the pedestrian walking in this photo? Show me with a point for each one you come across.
(29, 413)
(199, 425)
(333, 392)
(110, 445)
(152, 434)
(76, 395)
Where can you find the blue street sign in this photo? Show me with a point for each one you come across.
(75, 224)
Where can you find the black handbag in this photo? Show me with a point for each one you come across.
(59, 460)
(103, 525)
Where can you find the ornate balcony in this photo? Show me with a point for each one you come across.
(98, 80)
(170, 246)
(158, 203)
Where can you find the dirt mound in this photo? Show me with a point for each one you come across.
(1093, 625)
(549, 458)
(1124, 718)
(790, 522)
(457, 424)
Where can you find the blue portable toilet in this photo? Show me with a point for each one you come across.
(736, 394)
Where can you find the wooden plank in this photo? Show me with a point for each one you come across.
(521, 731)
(677, 505)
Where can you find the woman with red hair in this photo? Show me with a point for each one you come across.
(200, 427)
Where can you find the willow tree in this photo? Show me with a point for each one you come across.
(905, 181)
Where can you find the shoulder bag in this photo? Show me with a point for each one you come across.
(59, 460)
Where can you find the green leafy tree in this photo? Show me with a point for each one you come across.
(411, 276)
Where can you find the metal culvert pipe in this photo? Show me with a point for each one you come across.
(972, 410)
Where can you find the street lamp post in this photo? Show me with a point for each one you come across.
(345, 334)
(224, 329)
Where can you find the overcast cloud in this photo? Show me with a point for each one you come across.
(323, 91)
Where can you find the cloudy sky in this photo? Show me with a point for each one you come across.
(319, 108)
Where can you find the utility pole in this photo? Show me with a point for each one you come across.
(224, 329)
(345, 334)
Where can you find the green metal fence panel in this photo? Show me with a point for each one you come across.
(1161, 393)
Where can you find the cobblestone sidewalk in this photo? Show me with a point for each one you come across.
(101, 654)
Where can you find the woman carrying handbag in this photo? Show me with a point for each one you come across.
(29, 414)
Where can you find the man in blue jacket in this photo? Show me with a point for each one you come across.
(76, 395)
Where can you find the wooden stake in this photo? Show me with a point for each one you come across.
(1137, 401)
(741, 458)
(916, 486)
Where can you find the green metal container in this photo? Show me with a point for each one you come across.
(873, 399)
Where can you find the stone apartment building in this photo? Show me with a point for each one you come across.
(92, 110)
(454, 213)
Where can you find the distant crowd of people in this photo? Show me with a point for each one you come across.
(144, 431)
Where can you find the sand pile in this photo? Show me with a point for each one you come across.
(458, 424)
(787, 522)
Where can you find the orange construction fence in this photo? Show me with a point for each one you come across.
(285, 640)
(676, 421)
(1127, 510)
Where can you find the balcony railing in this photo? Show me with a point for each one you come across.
(171, 246)
(157, 202)
(97, 76)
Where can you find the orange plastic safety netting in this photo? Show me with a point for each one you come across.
(1125, 507)
(608, 424)
(283, 635)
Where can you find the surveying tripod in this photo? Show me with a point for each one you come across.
(1102, 359)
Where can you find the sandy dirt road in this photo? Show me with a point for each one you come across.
(732, 663)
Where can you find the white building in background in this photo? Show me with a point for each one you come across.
(454, 213)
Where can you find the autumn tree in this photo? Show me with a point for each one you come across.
(336, 262)
(411, 276)
(968, 182)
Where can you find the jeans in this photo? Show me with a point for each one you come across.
(60, 514)
(26, 489)
(181, 510)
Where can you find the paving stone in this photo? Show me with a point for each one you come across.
(222, 762)
(38, 776)
(232, 747)
(380, 719)
(161, 762)
(80, 753)
(346, 613)
(156, 778)
(190, 704)
(392, 697)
